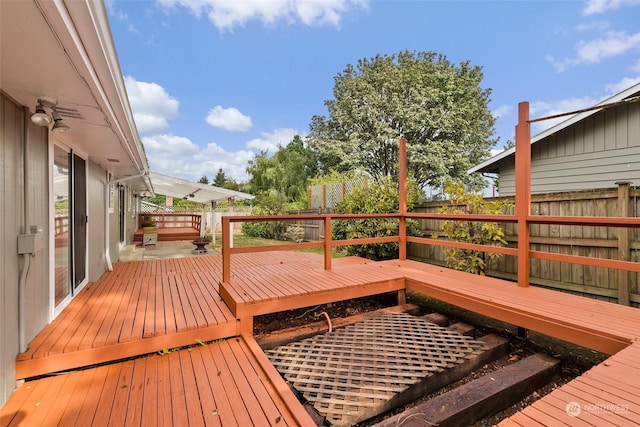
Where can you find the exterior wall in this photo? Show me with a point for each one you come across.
(12, 223)
(11, 119)
(96, 180)
(114, 231)
(594, 153)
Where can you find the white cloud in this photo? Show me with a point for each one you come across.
(594, 7)
(546, 109)
(502, 111)
(614, 43)
(625, 83)
(271, 141)
(227, 14)
(152, 106)
(635, 67)
(593, 26)
(179, 156)
(230, 119)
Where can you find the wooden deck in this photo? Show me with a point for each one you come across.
(223, 383)
(170, 234)
(144, 307)
(138, 308)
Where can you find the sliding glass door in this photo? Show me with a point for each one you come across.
(70, 207)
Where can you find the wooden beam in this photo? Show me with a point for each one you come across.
(481, 397)
(523, 190)
(624, 253)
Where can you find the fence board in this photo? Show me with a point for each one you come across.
(582, 240)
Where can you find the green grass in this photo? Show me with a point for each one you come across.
(240, 240)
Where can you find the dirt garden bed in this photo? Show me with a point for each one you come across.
(574, 360)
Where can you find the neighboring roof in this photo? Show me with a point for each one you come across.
(64, 51)
(491, 165)
(194, 191)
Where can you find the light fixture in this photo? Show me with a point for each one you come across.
(58, 125)
(40, 117)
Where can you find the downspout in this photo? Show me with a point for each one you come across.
(22, 283)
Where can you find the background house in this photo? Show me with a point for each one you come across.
(590, 150)
(67, 199)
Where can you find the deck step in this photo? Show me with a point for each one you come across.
(355, 373)
(482, 397)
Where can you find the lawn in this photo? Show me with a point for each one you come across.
(240, 240)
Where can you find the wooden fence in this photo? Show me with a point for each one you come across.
(592, 241)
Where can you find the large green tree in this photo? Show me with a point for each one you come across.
(440, 108)
(286, 172)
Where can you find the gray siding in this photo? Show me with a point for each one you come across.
(11, 119)
(594, 153)
(96, 181)
(12, 193)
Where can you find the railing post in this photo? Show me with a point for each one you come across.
(226, 249)
(624, 253)
(523, 190)
(402, 198)
(327, 242)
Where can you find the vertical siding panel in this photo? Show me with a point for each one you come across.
(633, 117)
(622, 127)
(37, 288)
(577, 139)
(609, 128)
(11, 120)
(96, 179)
(585, 143)
(598, 132)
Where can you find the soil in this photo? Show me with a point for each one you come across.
(575, 360)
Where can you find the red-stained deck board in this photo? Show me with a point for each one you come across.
(218, 384)
(138, 308)
(143, 307)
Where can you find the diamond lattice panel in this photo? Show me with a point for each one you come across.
(346, 373)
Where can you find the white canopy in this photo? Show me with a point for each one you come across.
(194, 191)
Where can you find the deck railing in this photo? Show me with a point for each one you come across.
(167, 220)
(522, 218)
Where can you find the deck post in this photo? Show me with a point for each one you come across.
(226, 249)
(624, 254)
(327, 242)
(523, 190)
(402, 198)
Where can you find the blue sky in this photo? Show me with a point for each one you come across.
(213, 82)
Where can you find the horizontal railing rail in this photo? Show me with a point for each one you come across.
(168, 220)
(328, 243)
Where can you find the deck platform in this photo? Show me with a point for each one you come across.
(170, 234)
(145, 308)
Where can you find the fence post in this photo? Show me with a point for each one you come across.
(324, 197)
(623, 243)
(327, 242)
(226, 250)
(402, 198)
(523, 190)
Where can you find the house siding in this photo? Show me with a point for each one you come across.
(96, 212)
(11, 119)
(594, 153)
(12, 193)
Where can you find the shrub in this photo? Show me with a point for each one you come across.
(482, 233)
(379, 197)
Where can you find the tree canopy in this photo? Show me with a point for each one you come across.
(286, 172)
(438, 107)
